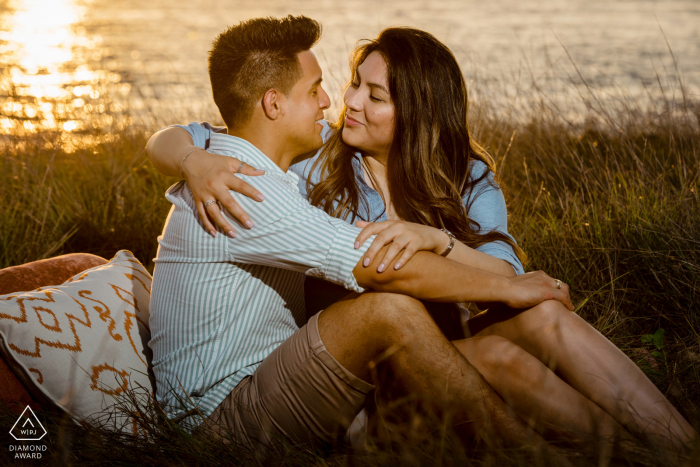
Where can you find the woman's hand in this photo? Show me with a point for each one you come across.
(210, 177)
(532, 288)
(405, 236)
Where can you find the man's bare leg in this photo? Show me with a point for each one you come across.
(396, 328)
(596, 368)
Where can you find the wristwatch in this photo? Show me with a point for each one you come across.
(451, 245)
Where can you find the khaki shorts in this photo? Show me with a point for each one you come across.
(298, 393)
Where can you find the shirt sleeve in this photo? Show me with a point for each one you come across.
(487, 206)
(289, 233)
(200, 132)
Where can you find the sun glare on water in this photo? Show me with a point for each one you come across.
(46, 81)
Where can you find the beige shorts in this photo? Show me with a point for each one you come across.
(299, 393)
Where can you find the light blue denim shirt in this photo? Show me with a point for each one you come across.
(486, 204)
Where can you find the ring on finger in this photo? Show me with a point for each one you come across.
(558, 283)
(209, 203)
(240, 167)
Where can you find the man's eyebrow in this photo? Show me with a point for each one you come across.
(317, 82)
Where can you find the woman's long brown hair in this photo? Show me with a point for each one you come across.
(428, 164)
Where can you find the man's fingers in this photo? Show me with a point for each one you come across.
(217, 216)
(205, 219)
(239, 186)
(569, 304)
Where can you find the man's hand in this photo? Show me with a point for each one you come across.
(532, 288)
(210, 177)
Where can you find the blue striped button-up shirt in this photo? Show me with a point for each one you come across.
(219, 306)
(485, 203)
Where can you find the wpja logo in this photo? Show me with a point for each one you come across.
(28, 428)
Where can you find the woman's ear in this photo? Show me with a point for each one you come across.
(272, 104)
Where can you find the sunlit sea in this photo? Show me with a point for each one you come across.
(71, 65)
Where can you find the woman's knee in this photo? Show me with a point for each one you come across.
(547, 318)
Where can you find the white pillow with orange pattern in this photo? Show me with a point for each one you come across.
(84, 344)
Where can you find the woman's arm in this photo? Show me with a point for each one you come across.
(410, 238)
(487, 206)
(173, 152)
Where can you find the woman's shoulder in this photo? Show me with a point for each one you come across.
(303, 168)
(478, 169)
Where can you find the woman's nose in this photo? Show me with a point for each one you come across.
(351, 99)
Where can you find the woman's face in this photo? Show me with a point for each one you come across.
(369, 116)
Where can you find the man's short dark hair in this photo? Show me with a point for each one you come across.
(247, 60)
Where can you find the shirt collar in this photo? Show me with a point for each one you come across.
(246, 152)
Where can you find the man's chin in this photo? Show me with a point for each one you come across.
(313, 149)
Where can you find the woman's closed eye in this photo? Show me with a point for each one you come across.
(375, 99)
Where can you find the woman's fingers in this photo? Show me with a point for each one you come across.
(369, 229)
(396, 246)
(378, 243)
(240, 186)
(248, 169)
(206, 223)
(217, 216)
(408, 253)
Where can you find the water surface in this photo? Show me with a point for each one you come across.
(72, 65)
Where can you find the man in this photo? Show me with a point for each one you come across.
(224, 310)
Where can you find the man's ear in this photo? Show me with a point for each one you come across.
(273, 104)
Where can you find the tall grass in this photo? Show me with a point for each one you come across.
(608, 203)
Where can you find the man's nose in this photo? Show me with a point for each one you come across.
(325, 101)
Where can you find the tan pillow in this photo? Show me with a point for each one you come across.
(84, 344)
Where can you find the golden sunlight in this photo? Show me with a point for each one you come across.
(42, 75)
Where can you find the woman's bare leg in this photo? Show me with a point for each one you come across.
(596, 368)
(535, 393)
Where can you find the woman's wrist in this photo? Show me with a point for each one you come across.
(188, 162)
(442, 241)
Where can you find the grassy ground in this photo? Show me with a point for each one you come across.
(609, 206)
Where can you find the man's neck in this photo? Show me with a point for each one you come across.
(268, 143)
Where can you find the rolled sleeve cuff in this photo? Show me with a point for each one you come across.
(342, 257)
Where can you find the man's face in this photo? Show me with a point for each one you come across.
(305, 105)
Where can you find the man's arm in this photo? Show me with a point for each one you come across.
(429, 276)
(292, 234)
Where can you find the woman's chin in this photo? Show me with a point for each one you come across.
(350, 138)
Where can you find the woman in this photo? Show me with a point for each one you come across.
(402, 153)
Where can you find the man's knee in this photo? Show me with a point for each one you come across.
(390, 308)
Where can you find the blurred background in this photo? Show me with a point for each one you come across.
(72, 65)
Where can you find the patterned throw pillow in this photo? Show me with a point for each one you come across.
(84, 344)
